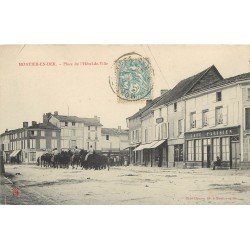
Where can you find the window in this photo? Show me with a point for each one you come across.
(54, 143)
(32, 143)
(33, 133)
(107, 137)
(88, 127)
(218, 96)
(42, 133)
(190, 150)
(216, 148)
(26, 155)
(95, 128)
(66, 124)
(160, 112)
(53, 133)
(88, 135)
(193, 120)
(32, 156)
(180, 127)
(218, 116)
(175, 107)
(42, 143)
(178, 152)
(198, 150)
(96, 136)
(87, 145)
(146, 135)
(65, 143)
(225, 149)
(73, 123)
(73, 143)
(248, 93)
(73, 132)
(204, 118)
(247, 118)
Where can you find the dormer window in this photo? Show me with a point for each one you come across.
(218, 96)
(175, 107)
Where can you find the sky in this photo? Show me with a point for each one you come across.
(26, 92)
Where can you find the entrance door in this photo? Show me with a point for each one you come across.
(208, 155)
(235, 154)
(160, 156)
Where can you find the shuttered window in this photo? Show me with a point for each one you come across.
(247, 118)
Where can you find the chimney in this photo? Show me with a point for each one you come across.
(55, 113)
(163, 91)
(25, 124)
(148, 102)
(119, 129)
(34, 123)
(6, 130)
(46, 117)
(97, 118)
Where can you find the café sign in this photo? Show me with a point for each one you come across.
(213, 133)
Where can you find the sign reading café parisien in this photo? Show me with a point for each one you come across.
(213, 133)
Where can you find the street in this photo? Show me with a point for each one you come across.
(123, 185)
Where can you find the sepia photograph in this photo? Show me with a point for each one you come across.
(125, 124)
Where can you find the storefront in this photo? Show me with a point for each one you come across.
(203, 147)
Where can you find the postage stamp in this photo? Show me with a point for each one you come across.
(133, 77)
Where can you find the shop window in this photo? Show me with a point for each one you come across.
(216, 148)
(205, 118)
(193, 120)
(54, 143)
(178, 152)
(218, 96)
(198, 150)
(247, 118)
(190, 150)
(225, 149)
(218, 116)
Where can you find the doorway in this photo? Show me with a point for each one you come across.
(235, 155)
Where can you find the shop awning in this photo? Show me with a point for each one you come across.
(157, 143)
(14, 153)
(145, 146)
(138, 148)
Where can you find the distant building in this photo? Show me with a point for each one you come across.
(26, 144)
(114, 140)
(76, 131)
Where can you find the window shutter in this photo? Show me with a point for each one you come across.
(211, 118)
(199, 120)
(224, 113)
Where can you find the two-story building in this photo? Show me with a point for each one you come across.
(26, 144)
(76, 131)
(218, 123)
(114, 141)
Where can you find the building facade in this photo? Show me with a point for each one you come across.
(76, 131)
(217, 120)
(26, 144)
(114, 141)
(203, 117)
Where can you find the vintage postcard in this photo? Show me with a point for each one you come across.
(124, 124)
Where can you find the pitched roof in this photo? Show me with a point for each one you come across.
(223, 82)
(202, 79)
(138, 113)
(86, 121)
(114, 131)
(44, 125)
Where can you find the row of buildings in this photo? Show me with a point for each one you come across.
(63, 132)
(202, 117)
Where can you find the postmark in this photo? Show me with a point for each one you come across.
(133, 78)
